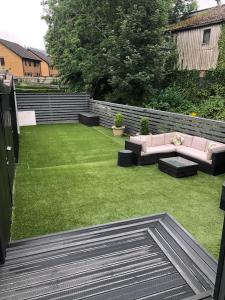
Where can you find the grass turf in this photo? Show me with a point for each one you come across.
(68, 178)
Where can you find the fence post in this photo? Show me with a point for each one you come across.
(219, 293)
(15, 128)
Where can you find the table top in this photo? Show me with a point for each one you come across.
(125, 151)
(89, 115)
(179, 162)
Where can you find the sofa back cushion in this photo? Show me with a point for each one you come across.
(169, 137)
(199, 143)
(158, 140)
(211, 146)
(148, 139)
(144, 140)
(187, 139)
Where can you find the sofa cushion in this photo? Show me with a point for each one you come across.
(139, 141)
(149, 140)
(168, 137)
(144, 140)
(199, 143)
(158, 140)
(217, 144)
(187, 139)
(159, 149)
(214, 146)
(192, 152)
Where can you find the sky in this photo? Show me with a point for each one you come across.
(21, 21)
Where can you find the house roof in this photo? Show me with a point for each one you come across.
(19, 50)
(206, 17)
(40, 54)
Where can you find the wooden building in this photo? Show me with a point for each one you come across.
(197, 39)
(18, 60)
(47, 68)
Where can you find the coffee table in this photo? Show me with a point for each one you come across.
(178, 167)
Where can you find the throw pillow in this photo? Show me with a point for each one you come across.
(177, 140)
(211, 146)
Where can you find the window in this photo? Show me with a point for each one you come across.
(25, 63)
(206, 36)
(2, 61)
(30, 63)
(35, 64)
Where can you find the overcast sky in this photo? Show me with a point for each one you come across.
(21, 21)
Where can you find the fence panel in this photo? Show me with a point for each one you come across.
(53, 108)
(160, 121)
(8, 156)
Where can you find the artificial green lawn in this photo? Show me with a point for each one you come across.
(68, 178)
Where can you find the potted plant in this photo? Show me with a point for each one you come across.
(144, 126)
(118, 128)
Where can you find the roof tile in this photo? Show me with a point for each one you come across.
(19, 50)
(210, 16)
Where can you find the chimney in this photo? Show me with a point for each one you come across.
(218, 2)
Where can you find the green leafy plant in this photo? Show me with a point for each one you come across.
(144, 126)
(213, 108)
(115, 50)
(118, 120)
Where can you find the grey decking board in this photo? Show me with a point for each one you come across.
(121, 260)
(92, 229)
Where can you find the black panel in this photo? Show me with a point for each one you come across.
(222, 204)
(5, 195)
(9, 148)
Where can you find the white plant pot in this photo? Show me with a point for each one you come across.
(118, 131)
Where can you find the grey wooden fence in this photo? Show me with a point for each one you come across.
(160, 121)
(54, 108)
(65, 108)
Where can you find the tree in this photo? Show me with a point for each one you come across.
(117, 50)
(181, 8)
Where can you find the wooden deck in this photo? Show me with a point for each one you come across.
(148, 258)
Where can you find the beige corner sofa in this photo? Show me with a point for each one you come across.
(208, 154)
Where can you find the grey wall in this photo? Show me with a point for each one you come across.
(160, 121)
(54, 108)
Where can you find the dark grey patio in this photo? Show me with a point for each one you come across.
(147, 258)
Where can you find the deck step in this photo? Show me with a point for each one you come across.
(146, 258)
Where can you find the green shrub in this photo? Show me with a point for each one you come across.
(171, 99)
(118, 120)
(212, 108)
(144, 126)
